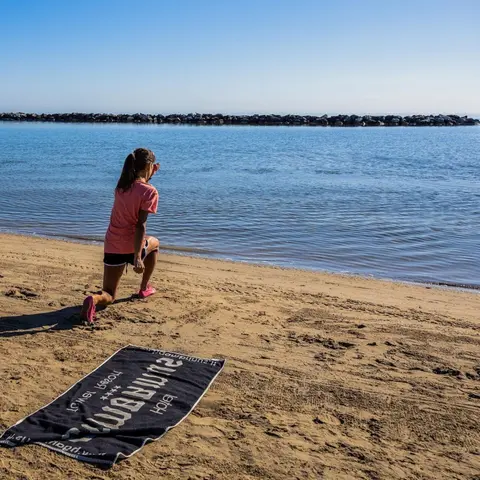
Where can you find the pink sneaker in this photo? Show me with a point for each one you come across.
(147, 292)
(88, 310)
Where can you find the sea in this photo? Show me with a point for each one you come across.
(400, 203)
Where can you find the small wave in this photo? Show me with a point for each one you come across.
(81, 238)
(259, 171)
(200, 251)
(320, 171)
(206, 169)
(11, 162)
(467, 286)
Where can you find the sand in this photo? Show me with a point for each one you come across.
(328, 376)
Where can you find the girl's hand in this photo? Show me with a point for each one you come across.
(138, 266)
(155, 169)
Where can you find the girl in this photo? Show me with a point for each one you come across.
(125, 240)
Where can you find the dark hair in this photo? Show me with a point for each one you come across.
(135, 163)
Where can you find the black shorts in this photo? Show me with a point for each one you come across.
(119, 259)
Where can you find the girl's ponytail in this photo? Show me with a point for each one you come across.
(128, 175)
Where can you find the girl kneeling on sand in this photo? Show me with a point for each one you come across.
(125, 240)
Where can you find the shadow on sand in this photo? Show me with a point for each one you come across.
(64, 319)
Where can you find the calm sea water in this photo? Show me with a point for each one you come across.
(400, 203)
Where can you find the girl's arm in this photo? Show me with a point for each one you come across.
(140, 230)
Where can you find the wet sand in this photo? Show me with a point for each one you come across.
(327, 377)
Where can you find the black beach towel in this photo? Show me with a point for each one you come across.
(134, 397)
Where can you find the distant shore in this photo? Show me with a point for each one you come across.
(256, 119)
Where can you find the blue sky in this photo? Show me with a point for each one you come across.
(302, 56)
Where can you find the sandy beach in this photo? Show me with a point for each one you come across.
(327, 376)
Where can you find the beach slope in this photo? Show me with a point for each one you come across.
(327, 376)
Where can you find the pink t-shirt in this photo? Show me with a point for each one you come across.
(120, 236)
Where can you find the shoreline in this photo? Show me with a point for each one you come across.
(191, 252)
(199, 119)
(330, 373)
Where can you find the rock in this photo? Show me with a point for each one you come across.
(392, 120)
(374, 123)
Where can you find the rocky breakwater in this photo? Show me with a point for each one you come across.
(220, 119)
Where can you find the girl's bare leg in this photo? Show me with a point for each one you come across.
(111, 279)
(149, 261)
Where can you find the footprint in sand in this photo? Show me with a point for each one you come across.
(327, 419)
(20, 292)
(447, 371)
